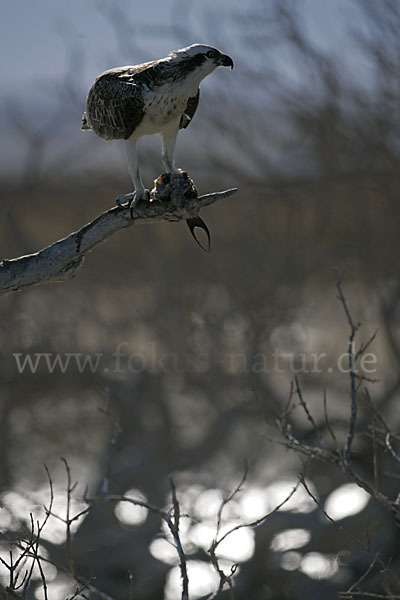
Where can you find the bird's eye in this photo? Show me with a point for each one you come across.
(211, 54)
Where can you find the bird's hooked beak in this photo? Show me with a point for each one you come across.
(226, 61)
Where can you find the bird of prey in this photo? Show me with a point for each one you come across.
(160, 96)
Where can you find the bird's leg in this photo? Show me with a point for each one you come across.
(175, 179)
(168, 147)
(140, 192)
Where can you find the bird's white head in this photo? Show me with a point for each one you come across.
(200, 59)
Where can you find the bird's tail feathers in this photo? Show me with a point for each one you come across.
(85, 125)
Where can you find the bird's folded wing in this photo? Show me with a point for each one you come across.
(190, 109)
(115, 104)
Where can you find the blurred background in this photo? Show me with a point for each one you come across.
(180, 362)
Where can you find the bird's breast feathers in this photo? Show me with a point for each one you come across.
(163, 105)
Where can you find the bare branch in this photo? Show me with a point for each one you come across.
(365, 545)
(117, 498)
(172, 520)
(223, 577)
(61, 260)
(375, 453)
(68, 548)
(262, 519)
(352, 368)
(131, 586)
(364, 346)
(362, 577)
(328, 424)
(230, 497)
(307, 412)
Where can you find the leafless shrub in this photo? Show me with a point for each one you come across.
(340, 455)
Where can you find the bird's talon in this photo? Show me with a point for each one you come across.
(143, 196)
(146, 196)
(130, 200)
(125, 200)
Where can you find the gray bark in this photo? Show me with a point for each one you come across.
(60, 260)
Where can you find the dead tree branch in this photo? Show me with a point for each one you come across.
(61, 259)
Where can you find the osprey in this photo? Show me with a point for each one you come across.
(160, 96)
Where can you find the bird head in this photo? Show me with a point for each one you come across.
(202, 58)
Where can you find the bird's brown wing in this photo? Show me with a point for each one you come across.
(190, 109)
(115, 104)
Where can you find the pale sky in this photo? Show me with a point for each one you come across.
(40, 38)
(35, 36)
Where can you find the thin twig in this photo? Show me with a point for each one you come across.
(351, 355)
(68, 521)
(172, 519)
(328, 424)
(362, 349)
(366, 546)
(131, 585)
(362, 578)
(117, 498)
(85, 585)
(225, 579)
(231, 496)
(375, 453)
(307, 412)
